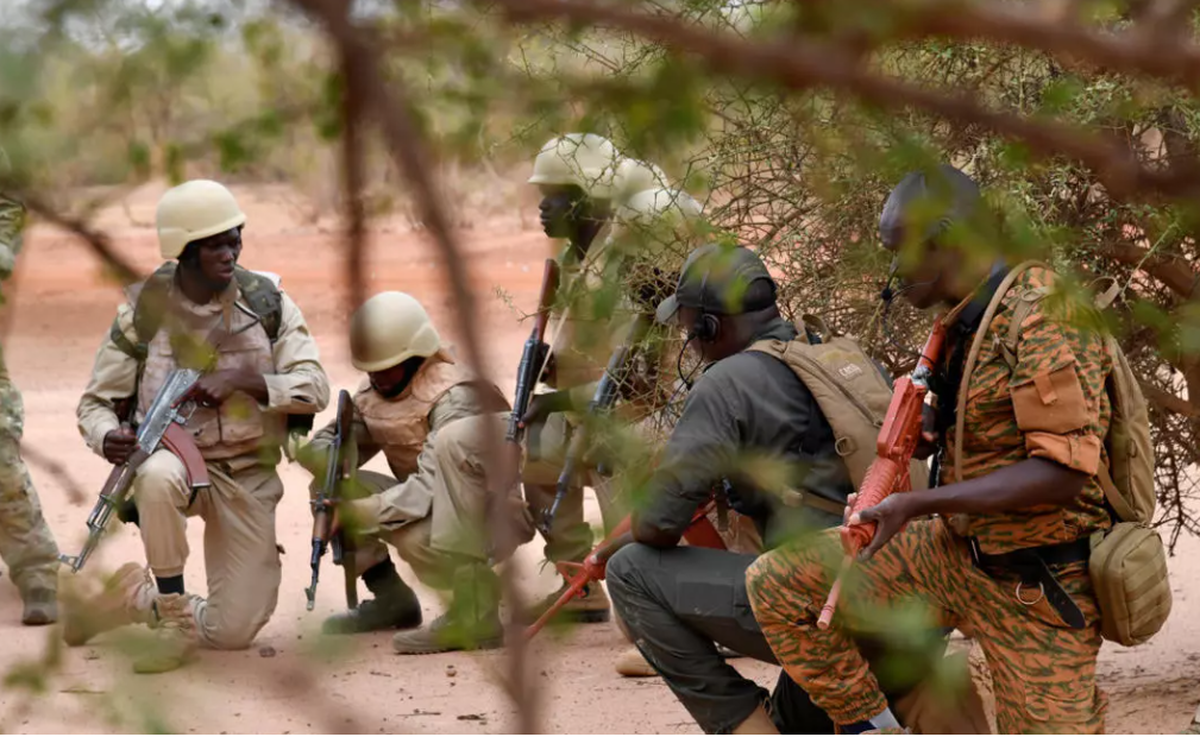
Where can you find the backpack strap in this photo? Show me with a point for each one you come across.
(977, 346)
(261, 292)
(1116, 502)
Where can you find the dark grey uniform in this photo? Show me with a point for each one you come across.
(678, 601)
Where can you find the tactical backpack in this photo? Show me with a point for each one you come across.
(1128, 563)
(850, 389)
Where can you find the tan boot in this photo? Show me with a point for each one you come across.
(471, 622)
(126, 598)
(41, 606)
(632, 664)
(592, 606)
(175, 641)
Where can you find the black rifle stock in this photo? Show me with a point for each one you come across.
(327, 529)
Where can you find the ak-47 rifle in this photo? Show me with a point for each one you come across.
(605, 396)
(533, 355)
(163, 426)
(699, 533)
(889, 472)
(327, 528)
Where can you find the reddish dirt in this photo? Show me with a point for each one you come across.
(291, 681)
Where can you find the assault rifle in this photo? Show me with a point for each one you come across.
(889, 472)
(533, 356)
(163, 426)
(327, 529)
(605, 396)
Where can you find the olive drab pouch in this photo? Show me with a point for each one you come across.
(1128, 563)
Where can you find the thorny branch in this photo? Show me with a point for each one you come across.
(388, 98)
(799, 65)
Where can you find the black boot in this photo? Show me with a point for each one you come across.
(395, 605)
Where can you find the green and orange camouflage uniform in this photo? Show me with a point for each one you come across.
(1051, 403)
(26, 544)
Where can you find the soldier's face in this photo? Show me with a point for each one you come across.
(390, 381)
(559, 209)
(216, 257)
(919, 271)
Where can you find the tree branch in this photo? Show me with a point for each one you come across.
(802, 66)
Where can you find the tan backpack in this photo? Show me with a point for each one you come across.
(1128, 564)
(850, 390)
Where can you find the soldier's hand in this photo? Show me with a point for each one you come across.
(889, 517)
(213, 389)
(119, 444)
(542, 406)
(927, 443)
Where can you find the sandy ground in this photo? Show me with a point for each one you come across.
(291, 680)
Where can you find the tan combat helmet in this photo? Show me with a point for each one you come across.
(659, 212)
(389, 329)
(634, 176)
(193, 210)
(585, 160)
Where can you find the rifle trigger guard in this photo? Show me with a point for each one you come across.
(1041, 594)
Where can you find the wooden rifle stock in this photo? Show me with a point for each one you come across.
(531, 367)
(894, 448)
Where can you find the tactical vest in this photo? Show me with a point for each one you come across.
(238, 426)
(400, 426)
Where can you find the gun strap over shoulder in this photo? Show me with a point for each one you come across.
(1019, 315)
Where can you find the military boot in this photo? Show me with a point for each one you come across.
(395, 606)
(127, 598)
(632, 664)
(41, 606)
(590, 607)
(471, 622)
(175, 638)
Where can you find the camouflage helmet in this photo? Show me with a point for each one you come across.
(388, 329)
(194, 210)
(584, 160)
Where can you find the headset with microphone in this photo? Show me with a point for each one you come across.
(707, 327)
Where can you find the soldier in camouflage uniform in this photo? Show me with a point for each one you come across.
(25, 540)
(1010, 566)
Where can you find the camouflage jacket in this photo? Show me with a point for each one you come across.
(1050, 403)
(12, 222)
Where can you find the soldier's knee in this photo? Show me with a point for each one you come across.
(160, 480)
(626, 566)
(232, 636)
(462, 441)
(761, 576)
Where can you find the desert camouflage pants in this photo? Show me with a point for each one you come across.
(1044, 672)
(455, 532)
(240, 556)
(26, 544)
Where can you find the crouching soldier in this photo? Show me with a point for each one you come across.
(1022, 437)
(428, 416)
(260, 366)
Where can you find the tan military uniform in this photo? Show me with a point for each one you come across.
(26, 543)
(433, 506)
(582, 335)
(240, 442)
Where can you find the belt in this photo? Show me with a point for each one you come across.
(1032, 567)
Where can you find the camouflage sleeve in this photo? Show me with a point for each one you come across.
(12, 222)
(1058, 388)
